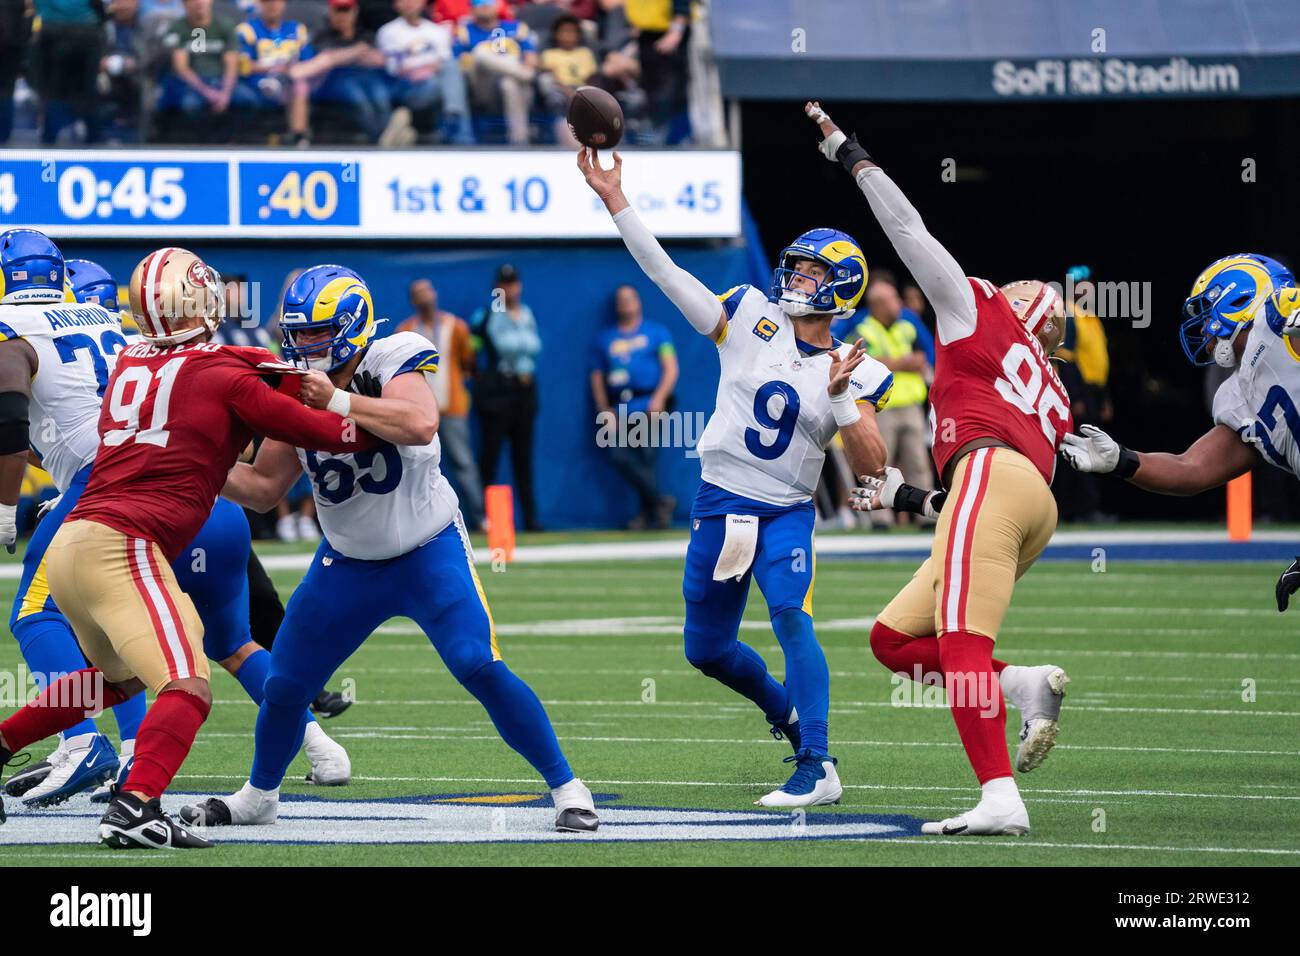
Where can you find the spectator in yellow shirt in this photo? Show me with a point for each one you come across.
(894, 344)
(565, 66)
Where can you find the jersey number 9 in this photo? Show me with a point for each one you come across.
(784, 425)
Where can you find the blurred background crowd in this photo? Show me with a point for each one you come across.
(390, 72)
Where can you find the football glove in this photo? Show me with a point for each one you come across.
(1287, 584)
(9, 526)
(367, 384)
(1094, 451)
(892, 492)
(47, 506)
(876, 493)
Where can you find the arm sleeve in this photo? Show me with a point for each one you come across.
(278, 416)
(933, 267)
(692, 298)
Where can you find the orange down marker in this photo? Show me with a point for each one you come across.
(1239, 508)
(499, 503)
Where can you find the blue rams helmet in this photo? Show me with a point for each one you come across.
(31, 268)
(332, 298)
(90, 282)
(1225, 299)
(837, 292)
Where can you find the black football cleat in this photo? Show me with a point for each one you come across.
(329, 703)
(134, 824)
(210, 813)
(27, 778)
(5, 757)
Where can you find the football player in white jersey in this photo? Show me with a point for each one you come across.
(787, 388)
(1244, 314)
(55, 358)
(394, 546)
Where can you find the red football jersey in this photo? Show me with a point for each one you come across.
(998, 383)
(173, 423)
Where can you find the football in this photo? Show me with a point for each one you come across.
(595, 118)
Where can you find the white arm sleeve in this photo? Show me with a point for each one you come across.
(935, 270)
(692, 298)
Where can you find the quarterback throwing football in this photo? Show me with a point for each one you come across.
(787, 388)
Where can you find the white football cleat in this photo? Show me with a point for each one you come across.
(1036, 692)
(983, 822)
(330, 765)
(1000, 812)
(575, 809)
(82, 763)
(814, 783)
(247, 807)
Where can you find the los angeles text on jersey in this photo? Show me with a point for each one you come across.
(77, 909)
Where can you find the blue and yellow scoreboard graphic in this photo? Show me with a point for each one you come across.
(299, 194)
(121, 193)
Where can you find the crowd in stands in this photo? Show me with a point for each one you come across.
(292, 72)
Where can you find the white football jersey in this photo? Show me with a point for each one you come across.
(76, 348)
(375, 505)
(1259, 400)
(768, 433)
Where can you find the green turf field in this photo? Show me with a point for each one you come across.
(1161, 761)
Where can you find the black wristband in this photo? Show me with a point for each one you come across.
(1128, 463)
(909, 498)
(851, 153)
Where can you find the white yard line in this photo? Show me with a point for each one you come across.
(839, 544)
(846, 707)
(533, 784)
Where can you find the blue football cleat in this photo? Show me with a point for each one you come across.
(83, 762)
(104, 792)
(813, 783)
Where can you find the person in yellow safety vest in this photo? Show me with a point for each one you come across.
(894, 343)
(1084, 366)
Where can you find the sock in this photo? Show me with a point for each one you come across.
(166, 736)
(807, 677)
(129, 715)
(520, 719)
(61, 706)
(975, 698)
(252, 677)
(743, 670)
(277, 738)
(903, 653)
(50, 650)
(1000, 791)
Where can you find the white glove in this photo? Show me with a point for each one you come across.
(876, 493)
(47, 506)
(832, 143)
(1095, 452)
(9, 526)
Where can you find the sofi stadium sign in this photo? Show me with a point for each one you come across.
(1114, 77)
(434, 194)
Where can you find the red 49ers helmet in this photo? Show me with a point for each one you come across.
(176, 296)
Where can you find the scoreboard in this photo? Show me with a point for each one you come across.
(430, 194)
